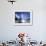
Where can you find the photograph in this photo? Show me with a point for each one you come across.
(23, 18)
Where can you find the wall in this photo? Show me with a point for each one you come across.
(9, 31)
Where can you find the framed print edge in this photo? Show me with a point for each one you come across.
(25, 24)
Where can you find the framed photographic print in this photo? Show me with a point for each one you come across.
(23, 17)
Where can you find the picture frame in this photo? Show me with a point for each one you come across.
(23, 17)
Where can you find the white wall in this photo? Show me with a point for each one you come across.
(9, 31)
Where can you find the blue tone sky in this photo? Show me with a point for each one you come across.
(23, 15)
